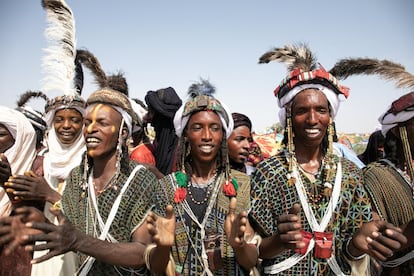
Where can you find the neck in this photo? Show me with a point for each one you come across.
(103, 170)
(202, 173)
(241, 167)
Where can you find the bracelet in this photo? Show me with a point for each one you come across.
(349, 255)
(147, 254)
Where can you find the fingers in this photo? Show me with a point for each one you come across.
(169, 211)
(232, 206)
(45, 257)
(295, 209)
(42, 226)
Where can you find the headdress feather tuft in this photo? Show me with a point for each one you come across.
(92, 63)
(294, 56)
(25, 97)
(386, 69)
(118, 82)
(204, 87)
(59, 60)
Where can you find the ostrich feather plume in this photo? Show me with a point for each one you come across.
(58, 63)
(293, 55)
(386, 69)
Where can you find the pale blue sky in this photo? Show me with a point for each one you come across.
(174, 43)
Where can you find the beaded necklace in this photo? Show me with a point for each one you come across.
(203, 188)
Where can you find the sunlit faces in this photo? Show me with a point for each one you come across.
(204, 132)
(310, 117)
(68, 125)
(238, 144)
(6, 139)
(101, 130)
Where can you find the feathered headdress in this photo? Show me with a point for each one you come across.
(115, 81)
(303, 68)
(59, 60)
(201, 98)
(386, 69)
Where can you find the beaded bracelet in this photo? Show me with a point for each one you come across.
(349, 255)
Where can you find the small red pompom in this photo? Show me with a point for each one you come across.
(180, 194)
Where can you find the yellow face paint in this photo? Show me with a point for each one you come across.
(95, 112)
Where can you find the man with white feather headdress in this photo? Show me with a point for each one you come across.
(308, 204)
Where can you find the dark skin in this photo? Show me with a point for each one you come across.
(204, 132)
(310, 120)
(68, 126)
(5, 170)
(102, 127)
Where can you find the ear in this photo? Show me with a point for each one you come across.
(124, 133)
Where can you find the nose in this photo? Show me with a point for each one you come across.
(67, 124)
(312, 117)
(206, 134)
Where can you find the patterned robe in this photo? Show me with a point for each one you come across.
(188, 249)
(134, 206)
(272, 196)
(392, 196)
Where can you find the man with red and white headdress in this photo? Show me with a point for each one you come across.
(308, 204)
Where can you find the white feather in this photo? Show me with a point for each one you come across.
(58, 63)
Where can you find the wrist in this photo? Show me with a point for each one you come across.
(351, 251)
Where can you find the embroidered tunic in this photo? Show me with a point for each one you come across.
(272, 196)
(134, 206)
(193, 242)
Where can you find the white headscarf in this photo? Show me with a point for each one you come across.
(181, 121)
(389, 120)
(333, 99)
(61, 158)
(23, 152)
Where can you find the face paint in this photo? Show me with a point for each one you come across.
(101, 131)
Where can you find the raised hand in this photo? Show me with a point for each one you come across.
(377, 238)
(235, 226)
(162, 229)
(13, 229)
(59, 238)
(30, 187)
(5, 169)
(289, 226)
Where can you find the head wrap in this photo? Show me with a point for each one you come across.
(64, 102)
(140, 111)
(400, 111)
(164, 101)
(22, 153)
(241, 120)
(305, 73)
(118, 101)
(203, 103)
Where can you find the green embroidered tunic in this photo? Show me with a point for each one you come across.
(134, 206)
(188, 250)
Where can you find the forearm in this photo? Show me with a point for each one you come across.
(129, 254)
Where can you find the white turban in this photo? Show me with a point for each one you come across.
(389, 120)
(333, 99)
